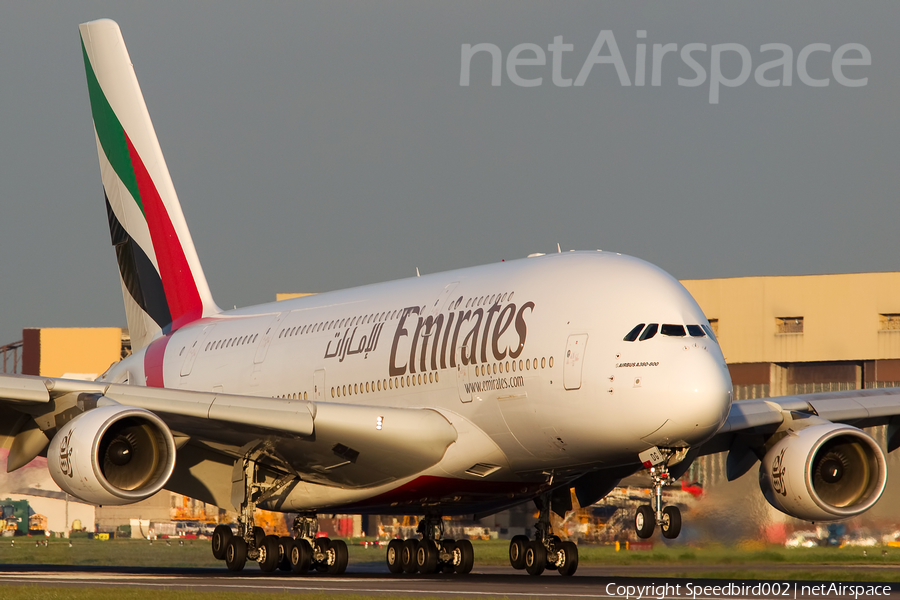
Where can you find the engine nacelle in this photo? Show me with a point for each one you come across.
(823, 473)
(112, 455)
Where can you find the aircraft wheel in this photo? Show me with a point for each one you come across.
(259, 535)
(569, 555)
(337, 557)
(320, 554)
(427, 557)
(285, 544)
(300, 556)
(517, 547)
(393, 555)
(466, 557)
(671, 525)
(221, 535)
(535, 558)
(268, 554)
(408, 555)
(448, 547)
(236, 553)
(644, 521)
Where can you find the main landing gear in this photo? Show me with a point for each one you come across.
(303, 553)
(431, 554)
(545, 550)
(650, 515)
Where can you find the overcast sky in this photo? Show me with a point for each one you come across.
(322, 145)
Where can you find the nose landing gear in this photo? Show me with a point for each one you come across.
(650, 515)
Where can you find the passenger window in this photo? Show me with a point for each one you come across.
(651, 330)
(633, 334)
(673, 330)
(695, 331)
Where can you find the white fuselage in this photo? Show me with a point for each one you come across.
(526, 358)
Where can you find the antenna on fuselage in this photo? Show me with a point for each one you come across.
(417, 272)
(558, 249)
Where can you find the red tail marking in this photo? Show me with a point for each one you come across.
(182, 296)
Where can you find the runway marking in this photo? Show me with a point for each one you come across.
(113, 580)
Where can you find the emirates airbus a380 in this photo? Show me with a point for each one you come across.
(463, 392)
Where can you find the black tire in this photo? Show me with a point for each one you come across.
(300, 557)
(644, 521)
(517, 547)
(466, 557)
(393, 556)
(285, 545)
(268, 554)
(221, 535)
(535, 558)
(448, 547)
(320, 554)
(259, 534)
(671, 526)
(338, 557)
(427, 557)
(236, 554)
(408, 555)
(569, 555)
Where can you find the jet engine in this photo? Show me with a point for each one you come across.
(112, 455)
(823, 473)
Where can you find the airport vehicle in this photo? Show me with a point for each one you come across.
(462, 392)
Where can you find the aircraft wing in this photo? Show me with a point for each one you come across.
(751, 422)
(349, 445)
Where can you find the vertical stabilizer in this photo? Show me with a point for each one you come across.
(162, 280)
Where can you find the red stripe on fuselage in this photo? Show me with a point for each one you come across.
(178, 282)
(154, 356)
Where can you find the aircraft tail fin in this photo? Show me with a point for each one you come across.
(162, 281)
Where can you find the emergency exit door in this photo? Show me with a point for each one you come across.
(574, 361)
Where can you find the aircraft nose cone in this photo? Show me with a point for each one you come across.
(698, 399)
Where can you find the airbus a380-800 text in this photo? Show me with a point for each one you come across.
(464, 392)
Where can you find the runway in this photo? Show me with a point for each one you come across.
(487, 582)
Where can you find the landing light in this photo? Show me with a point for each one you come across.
(379, 421)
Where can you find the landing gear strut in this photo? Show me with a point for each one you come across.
(431, 554)
(298, 555)
(545, 550)
(650, 515)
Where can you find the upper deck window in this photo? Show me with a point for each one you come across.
(633, 334)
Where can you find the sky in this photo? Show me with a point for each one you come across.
(322, 145)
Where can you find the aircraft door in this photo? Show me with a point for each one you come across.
(574, 361)
(319, 385)
(463, 380)
(194, 351)
(266, 340)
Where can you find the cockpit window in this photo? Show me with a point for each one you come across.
(709, 332)
(673, 330)
(632, 335)
(695, 331)
(651, 330)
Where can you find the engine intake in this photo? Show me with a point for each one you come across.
(112, 455)
(823, 473)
